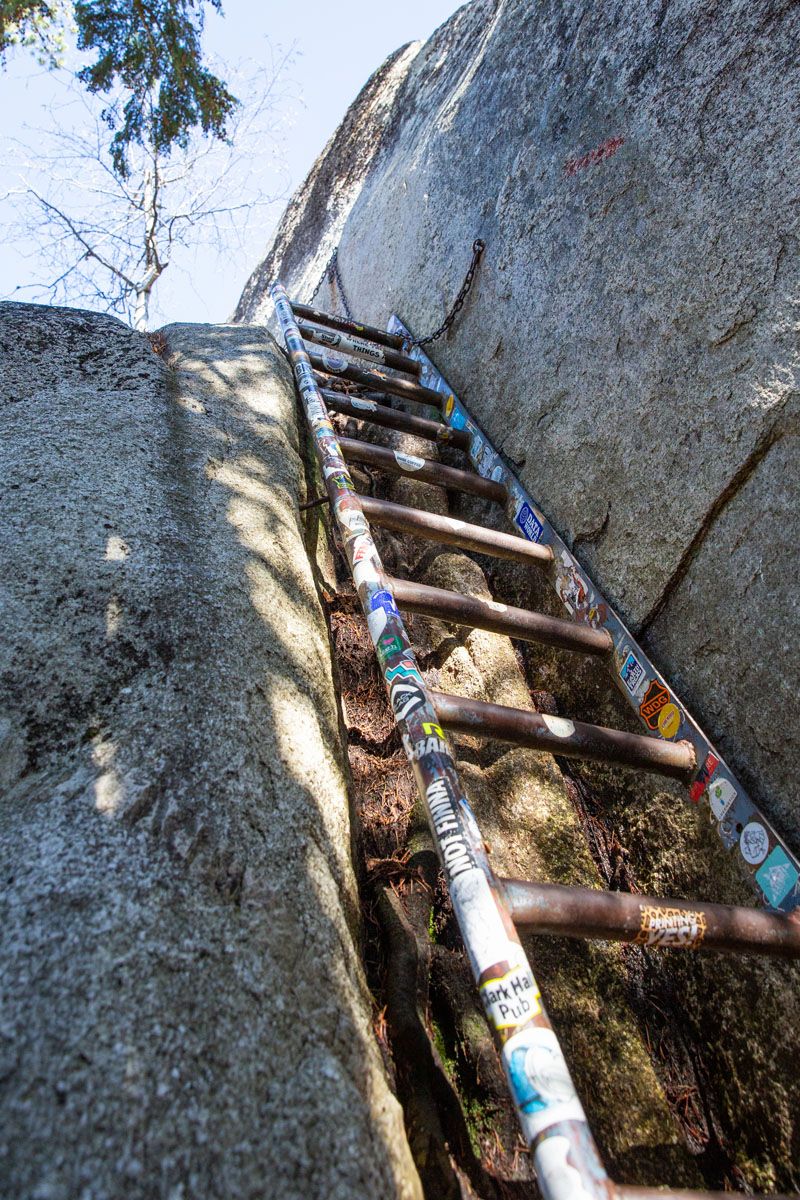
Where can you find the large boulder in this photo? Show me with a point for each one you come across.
(184, 1011)
(630, 342)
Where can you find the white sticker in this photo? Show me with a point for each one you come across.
(481, 924)
(367, 350)
(558, 726)
(540, 1080)
(557, 1177)
(754, 843)
(721, 796)
(365, 571)
(353, 519)
(376, 623)
(364, 405)
(409, 462)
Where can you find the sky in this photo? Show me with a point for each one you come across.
(335, 48)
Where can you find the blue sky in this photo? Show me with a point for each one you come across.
(338, 45)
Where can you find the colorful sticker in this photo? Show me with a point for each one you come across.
(540, 1079)
(388, 645)
(335, 363)
(669, 721)
(701, 783)
(529, 523)
(666, 927)
(777, 877)
(405, 669)
(406, 697)
(655, 698)
(721, 795)
(632, 674)
(754, 843)
(512, 999)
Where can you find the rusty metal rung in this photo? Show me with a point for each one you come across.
(392, 340)
(649, 921)
(376, 413)
(455, 533)
(422, 468)
(361, 348)
(572, 739)
(461, 609)
(376, 380)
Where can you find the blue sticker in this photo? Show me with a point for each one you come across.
(528, 1097)
(458, 420)
(529, 524)
(632, 674)
(777, 877)
(383, 600)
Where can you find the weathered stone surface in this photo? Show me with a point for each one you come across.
(184, 1013)
(631, 339)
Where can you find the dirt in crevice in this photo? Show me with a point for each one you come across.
(437, 1047)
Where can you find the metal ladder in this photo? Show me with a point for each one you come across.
(489, 910)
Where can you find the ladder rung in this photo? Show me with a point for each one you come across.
(393, 340)
(422, 468)
(393, 418)
(454, 533)
(649, 921)
(572, 739)
(497, 618)
(376, 380)
(359, 346)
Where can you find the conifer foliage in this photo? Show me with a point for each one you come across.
(147, 59)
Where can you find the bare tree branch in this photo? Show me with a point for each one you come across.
(108, 240)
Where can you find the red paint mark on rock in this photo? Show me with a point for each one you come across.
(605, 150)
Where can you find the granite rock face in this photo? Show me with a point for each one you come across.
(631, 339)
(184, 1011)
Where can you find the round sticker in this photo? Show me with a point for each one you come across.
(409, 462)
(754, 843)
(334, 362)
(669, 720)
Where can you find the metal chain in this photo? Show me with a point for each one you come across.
(478, 248)
(332, 269)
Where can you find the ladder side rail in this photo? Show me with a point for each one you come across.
(550, 1113)
(773, 869)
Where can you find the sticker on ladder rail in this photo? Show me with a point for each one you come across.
(540, 1080)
